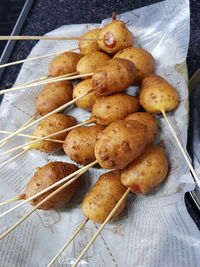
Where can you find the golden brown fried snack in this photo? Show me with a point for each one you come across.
(147, 171)
(108, 109)
(90, 62)
(48, 175)
(120, 143)
(143, 60)
(147, 119)
(115, 76)
(103, 197)
(64, 63)
(50, 125)
(79, 144)
(53, 96)
(115, 37)
(156, 94)
(87, 47)
(87, 101)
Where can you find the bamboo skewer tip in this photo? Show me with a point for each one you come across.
(20, 197)
(181, 148)
(68, 242)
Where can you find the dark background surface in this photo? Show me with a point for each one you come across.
(47, 15)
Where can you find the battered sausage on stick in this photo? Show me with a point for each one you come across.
(79, 144)
(53, 96)
(120, 143)
(87, 47)
(115, 76)
(143, 60)
(56, 122)
(64, 63)
(49, 196)
(158, 96)
(147, 119)
(87, 101)
(44, 177)
(48, 175)
(115, 36)
(90, 62)
(108, 109)
(103, 196)
(147, 171)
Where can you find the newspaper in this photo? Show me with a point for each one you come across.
(154, 230)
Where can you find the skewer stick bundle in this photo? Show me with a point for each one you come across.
(32, 136)
(44, 82)
(44, 117)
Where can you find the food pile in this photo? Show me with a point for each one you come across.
(124, 127)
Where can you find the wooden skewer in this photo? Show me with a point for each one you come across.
(85, 168)
(33, 136)
(44, 77)
(102, 226)
(61, 76)
(30, 120)
(35, 58)
(68, 242)
(20, 197)
(56, 79)
(26, 123)
(14, 157)
(40, 203)
(46, 116)
(25, 37)
(181, 148)
(26, 145)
